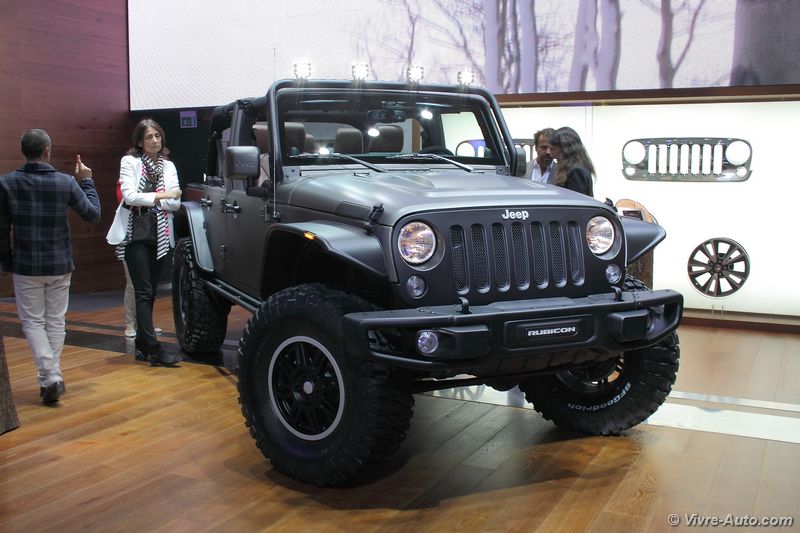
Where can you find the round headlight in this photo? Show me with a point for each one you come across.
(737, 153)
(416, 242)
(599, 235)
(634, 152)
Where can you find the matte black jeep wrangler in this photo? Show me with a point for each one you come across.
(381, 238)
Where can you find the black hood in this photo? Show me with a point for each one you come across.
(404, 192)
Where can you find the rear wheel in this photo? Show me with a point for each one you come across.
(611, 396)
(319, 416)
(201, 318)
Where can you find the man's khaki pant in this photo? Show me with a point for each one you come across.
(42, 307)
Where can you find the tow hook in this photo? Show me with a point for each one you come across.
(617, 294)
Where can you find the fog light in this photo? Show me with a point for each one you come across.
(416, 286)
(613, 273)
(427, 342)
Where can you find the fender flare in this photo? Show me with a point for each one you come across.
(641, 237)
(195, 219)
(349, 243)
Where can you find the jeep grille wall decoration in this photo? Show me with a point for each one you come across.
(718, 267)
(687, 159)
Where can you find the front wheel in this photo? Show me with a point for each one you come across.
(610, 396)
(201, 319)
(319, 416)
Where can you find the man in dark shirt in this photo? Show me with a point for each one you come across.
(34, 201)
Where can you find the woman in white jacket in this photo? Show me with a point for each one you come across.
(142, 229)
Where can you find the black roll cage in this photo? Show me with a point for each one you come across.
(272, 112)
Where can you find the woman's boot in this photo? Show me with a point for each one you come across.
(159, 357)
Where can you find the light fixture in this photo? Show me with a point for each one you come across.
(634, 152)
(613, 273)
(466, 77)
(373, 132)
(360, 71)
(427, 341)
(425, 114)
(302, 70)
(737, 153)
(415, 73)
(416, 286)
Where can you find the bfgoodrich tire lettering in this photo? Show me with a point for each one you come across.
(290, 355)
(201, 319)
(610, 396)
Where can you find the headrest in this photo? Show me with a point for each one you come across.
(310, 146)
(295, 137)
(390, 139)
(261, 134)
(348, 141)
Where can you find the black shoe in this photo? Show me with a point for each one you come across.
(141, 355)
(160, 357)
(52, 392)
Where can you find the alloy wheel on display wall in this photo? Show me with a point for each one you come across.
(718, 267)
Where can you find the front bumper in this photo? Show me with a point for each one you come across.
(532, 333)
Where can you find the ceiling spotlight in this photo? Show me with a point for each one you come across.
(466, 77)
(373, 132)
(302, 70)
(360, 71)
(425, 114)
(415, 73)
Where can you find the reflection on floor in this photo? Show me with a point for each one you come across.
(697, 417)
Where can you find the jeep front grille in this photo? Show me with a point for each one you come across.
(542, 255)
(687, 159)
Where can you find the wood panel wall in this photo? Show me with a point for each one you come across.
(64, 68)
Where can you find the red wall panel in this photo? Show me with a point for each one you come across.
(64, 68)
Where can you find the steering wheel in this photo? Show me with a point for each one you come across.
(436, 149)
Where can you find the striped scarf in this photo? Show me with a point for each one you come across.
(152, 172)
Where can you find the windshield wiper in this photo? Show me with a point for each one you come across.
(419, 155)
(370, 166)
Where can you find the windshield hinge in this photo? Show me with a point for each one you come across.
(372, 217)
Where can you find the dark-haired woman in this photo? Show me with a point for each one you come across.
(142, 228)
(575, 169)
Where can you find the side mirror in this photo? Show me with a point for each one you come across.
(241, 162)
(521, 166)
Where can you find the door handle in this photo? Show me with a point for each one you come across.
(231, 208)
(205, 202)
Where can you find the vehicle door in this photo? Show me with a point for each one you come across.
(212, 202)
(246, 218)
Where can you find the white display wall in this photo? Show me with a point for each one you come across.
(761, 213)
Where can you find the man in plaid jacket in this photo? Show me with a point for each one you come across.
(34, 201)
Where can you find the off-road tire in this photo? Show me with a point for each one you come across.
(611, 396)
(201, 318)
(318, 415)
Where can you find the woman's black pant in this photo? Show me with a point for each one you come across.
(145, 271)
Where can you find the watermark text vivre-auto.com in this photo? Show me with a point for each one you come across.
(698, 520)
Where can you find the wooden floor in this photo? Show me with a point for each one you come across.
(134, 448)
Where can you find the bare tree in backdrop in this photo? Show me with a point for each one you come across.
(593, 52)
(669, 11)
(500, 40)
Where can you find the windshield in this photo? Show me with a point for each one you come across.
(386, 127)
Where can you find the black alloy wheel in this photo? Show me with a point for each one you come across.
(718, 267)
(305, 387)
